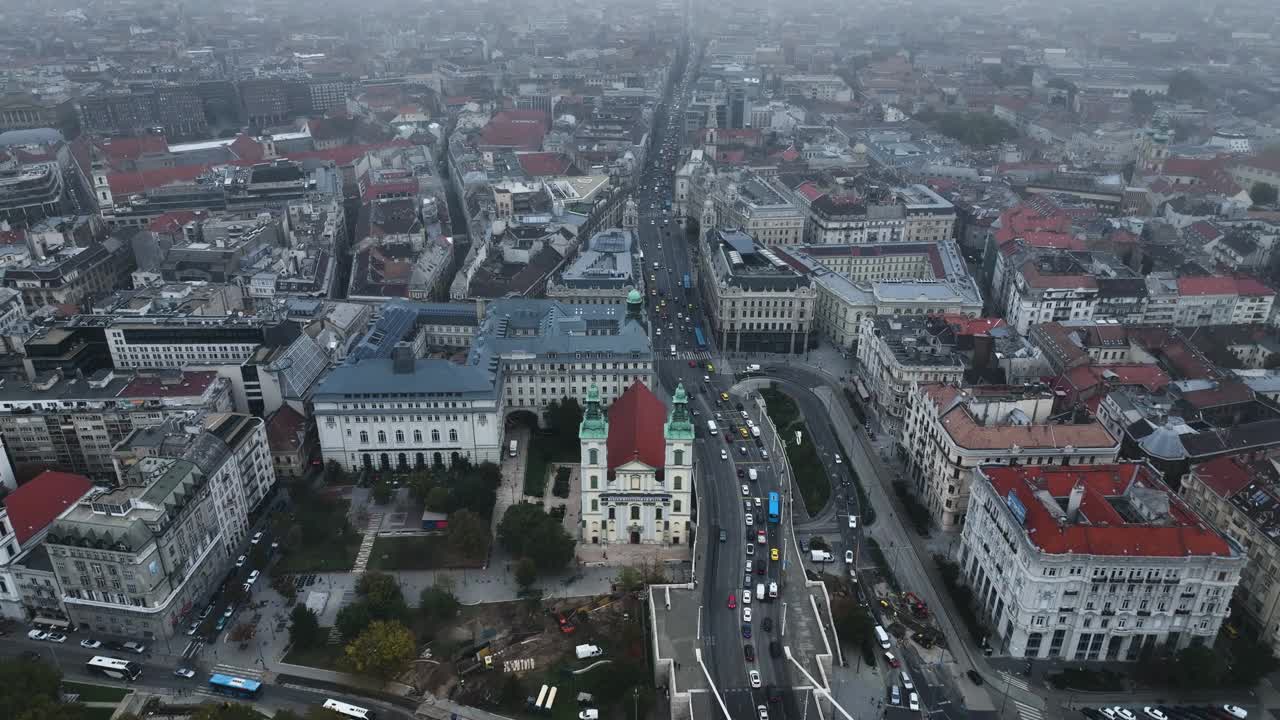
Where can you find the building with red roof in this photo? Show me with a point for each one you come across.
(29, 509)
(637, 469)
(1093, 563)
(514, 130)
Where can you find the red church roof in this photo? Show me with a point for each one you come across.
(35, 504)
(635, 428)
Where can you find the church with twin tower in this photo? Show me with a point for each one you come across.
(637, 469)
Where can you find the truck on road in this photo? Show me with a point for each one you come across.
(823, 556)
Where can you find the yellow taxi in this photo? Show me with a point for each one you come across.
(712, 368)
(773, 553)
(745, 433)
(724, 396)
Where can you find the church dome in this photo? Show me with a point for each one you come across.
(634, 297)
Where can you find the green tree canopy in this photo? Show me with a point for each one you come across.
(381, 593)
(304, 628)
(468, 533)
(1262, 193)
(526, 530)
(383, 650)
(352, 619)
(526, 572)
(1186, 85)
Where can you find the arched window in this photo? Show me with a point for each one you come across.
(367, 461)
(399, 436)
(593, 457)
(435, 436)
(675, 506)
(385, 461)
(382, 436)
(453, 435)
(437, 459)
(402, 461)
(417, 436)
(364, 437)
(679, 457)
(420, 460)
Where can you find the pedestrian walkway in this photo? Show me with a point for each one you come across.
(1012, 680)
(239, 672)
(1027, 712)
(366, 544)
(703, 356)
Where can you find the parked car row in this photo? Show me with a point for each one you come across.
(1167, 712)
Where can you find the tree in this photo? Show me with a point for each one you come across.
(526, 572)
(438, 602)
(629, 578)
(25, 684)
(382, 492)
(352, 619)
(526, 530)
(562, 418)
(334, 474)
(304, 628)
(438, 499)
(382, 595)
(1263, 194)
(1141, 103)
(1186, 85)
(226, 711)
(382, 650)
(468, 534)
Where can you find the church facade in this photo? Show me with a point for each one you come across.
(637, 469)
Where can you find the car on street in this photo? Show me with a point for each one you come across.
(975, 677)
(230, 609)
(773, 554)
(895, 695)
(724, 535)
(762, 712)
(182, 672)
(746, 597)
(853, 521)
(764, 453)
(733, 601)
(838, 460)
(1154, 713)
(37, 634)
(741, 474)
(746, 632)
(746, 614)
(913, 702)
(192, 628)
(749, 652)
(775, 648)
(751, 520)
(725, 456)
(751, 550)
(55, 637)
(893, 661)
(760, 537)
(90, 644)
(589, 714)
(257, 538)
(745, 490)
(754, 677)
(746, 580)
(253, 577)
(1235, 711)
(848, 557)
(135, 648)
(767, 624)
(240, 561)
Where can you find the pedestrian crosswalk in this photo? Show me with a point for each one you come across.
(703, 355)
(366, 544)
(239, 672)
(1013, 680)
(1026, 712)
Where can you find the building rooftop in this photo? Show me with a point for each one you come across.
(517, 329)
(36, 503)
(1121, 510)
(604, 263)
(912, 340)
(740, 262)
(1008, 433)
(635, 428)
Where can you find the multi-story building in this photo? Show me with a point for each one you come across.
(1241, 495)
(12, 310)
(139, 558)
(1049, 288)
(760, 206)
(24, 516)
(909, 213)
(31, 191)
(756, 301)
(71, 275)
(950, 431)
(402, 412)
(898, 352)
(74, 423)
(827, 88)
(544, 351)
(854, 282)
(178, 111)
(1098, 563)
(603, 272)
(637, 471)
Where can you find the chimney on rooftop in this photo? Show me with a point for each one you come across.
(1073, 502)
(402, 360)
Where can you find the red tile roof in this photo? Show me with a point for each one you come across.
(1223, 285)
(635, 428)
(36, 503)
(965, 325)
(126, 148)
(284, 429)
(124, 184)
(246, 148)
(520, 129)
(1226, 475)
(1101, 529)
(171, 222)
(1204, 231)
(543, 164)
(810, 191)
(194, 382)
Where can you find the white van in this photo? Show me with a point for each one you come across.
(759, 591)
(673, 351)
(773, 590)
(752, 474)
(511, 448)
(882, 637)
(711, 425)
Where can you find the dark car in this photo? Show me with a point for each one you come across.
(749, 651)
(760, 566)
(974, 677)
(746, 631)
(723, 535)
(746, 581)
(775, 648)
(741, 474)
(728, 437)
(774, 694)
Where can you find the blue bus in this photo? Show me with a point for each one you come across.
(699, 339)
(686, 281)
(773, 507)
(238, 687)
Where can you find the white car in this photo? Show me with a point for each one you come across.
(746, 614)
(723, 455)
(257, 538)
(187, 673)
(764, 453)
(90, 644)
(746, 597)
(1235, 711)
(754, 676)
(913, 702)
(1154, 714)
(751, 520)
(762, 712)
(55, 637)
(750, 567)
(253, 577)
(589, 714)
(745, 490)
(848, 557)
(37, 635)
(838, 460)
(751, 550)
(240, 561)
(853, 521)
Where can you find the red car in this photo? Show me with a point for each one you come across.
(733, 601)
(728, 437)
(692, 363)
